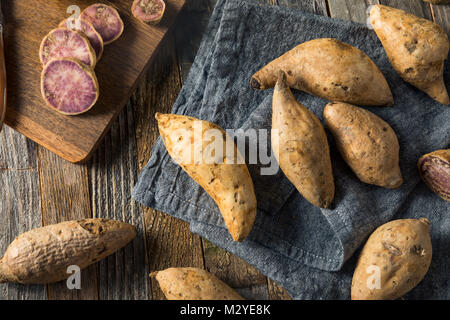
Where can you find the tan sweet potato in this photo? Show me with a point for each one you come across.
(398, 254)
(193, 284)
(301, 147)
(43, 255)
(366, 142)
(434, 169)
(330, 69)
(225, 180)
(416, 48)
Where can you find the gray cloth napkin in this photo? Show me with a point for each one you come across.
(303, 248)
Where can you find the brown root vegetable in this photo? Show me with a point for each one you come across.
(416, 48)
(203, 150)
(434, 169)
(395, 258)
(106, 20)
(367, 144)
(69, 86)
(330, 69)
(148, 11)
(89, 31)
(193, 284)
(300, 146)
(66, 43)
(43, 255)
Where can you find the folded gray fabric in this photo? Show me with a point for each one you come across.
(303, 248)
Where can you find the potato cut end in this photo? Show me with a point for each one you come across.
(435, 173)
(106, 20)
(148, 11)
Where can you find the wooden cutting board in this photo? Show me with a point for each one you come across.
(74, 138)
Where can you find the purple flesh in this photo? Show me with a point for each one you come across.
(88, 29)
(436, 174)
(149, 10)
(68, 87)
(106, 21)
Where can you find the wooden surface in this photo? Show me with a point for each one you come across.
(41, 188)
(123, 62)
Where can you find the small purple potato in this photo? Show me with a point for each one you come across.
(106, 20)
(148, 11)
(434, 169)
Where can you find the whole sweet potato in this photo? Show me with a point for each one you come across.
(330, 69)
(43, 255)
(193, 284)
(201, 149)
(301, 147)
(434, 169)
(416, 48)
(394, 260)
(366, 142)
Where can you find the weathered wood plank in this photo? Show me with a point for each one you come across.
(355, 10)
(65, 196)
(441, 15)
(417, 7)
(20, 202)
(169, 241)
(313, 6)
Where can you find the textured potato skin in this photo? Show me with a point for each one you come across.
(303, 151)
(330, 69)
(193, 284)
(416, 48)
(230, 185)
(43, 255)
(402, 250)
(441, 187)
(367, 144)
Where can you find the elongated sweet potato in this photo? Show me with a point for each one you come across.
(193, 284)
(366, 142)
(106, 20)
(330, 69)
(301, 147)
(89, 31)
(148, 11)
(393, 261)
(416, 48)
(434, 169)
(201, 149)
(66, 43)
(43, 255)
(69, 86)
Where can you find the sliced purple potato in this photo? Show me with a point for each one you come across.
(148, 11)
(69, 86)
(66, 43)
(89, 31)
(434, 169)
(106, 20)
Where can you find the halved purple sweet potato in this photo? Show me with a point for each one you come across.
(69, 86)
(106, 20)
(88, 30)
(434, 169)
(66, 43)
(148, 11)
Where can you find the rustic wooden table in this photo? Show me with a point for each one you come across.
(38, 188)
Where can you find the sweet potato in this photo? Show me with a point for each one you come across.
(330, 69)
(106, 20)
(434, 169)
(69, 86)
(416, 48)
(398, 254)
(43, 255)
(226, 181)
(193, 284)
(300, 146)
(366, 142)
(148, 11)
(66, 43)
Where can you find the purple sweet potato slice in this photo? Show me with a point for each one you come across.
(106, 20)
(148, 11)
(69, 86)
(89, 31)
(434, 169)
(66, 43)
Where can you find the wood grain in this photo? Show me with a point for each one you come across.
(354, 10)
(441, 15)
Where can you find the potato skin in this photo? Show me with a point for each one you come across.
(193, 284)
(434, 169)
(416, 48)
(402, 250)
(229, 184)
(367, 144)
(330, 69)
(303, 152)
